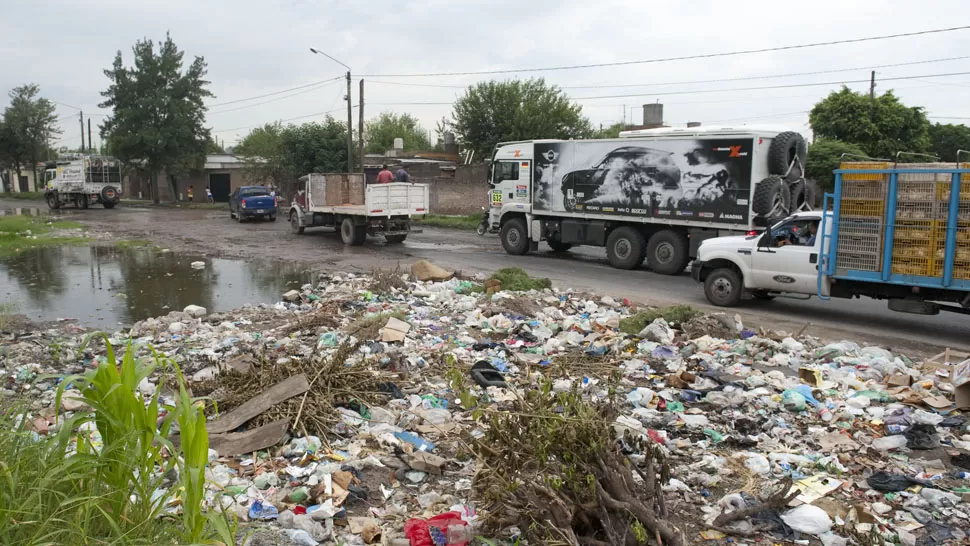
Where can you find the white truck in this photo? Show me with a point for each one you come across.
(344, 202)
(651, 195)
(83, 181)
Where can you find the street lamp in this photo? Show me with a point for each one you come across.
(350, 115)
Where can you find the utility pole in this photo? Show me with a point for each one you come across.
(82, 131)
(90, 138)
(350, 128)
(872, 85)
(360, 125)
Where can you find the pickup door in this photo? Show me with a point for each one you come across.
(786, 258)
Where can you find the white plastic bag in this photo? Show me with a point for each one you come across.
(808, 519)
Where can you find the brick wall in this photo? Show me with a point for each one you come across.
(135, 183)
(464, 193)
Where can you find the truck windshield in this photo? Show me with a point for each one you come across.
(253, 192)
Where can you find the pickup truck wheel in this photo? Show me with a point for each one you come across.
(667, 253)
(515, 238)
(295, 226)
(625, 248)
(557, 246)
(723, 287)
(351, 234)
(52, 202)
(395, 239)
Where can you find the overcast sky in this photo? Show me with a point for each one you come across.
(258, 47)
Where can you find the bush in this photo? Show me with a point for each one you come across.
(517, 280)
(675, 314)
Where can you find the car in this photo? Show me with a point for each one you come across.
(251, 202)
(632, 168)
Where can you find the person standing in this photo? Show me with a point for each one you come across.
(385, 176)
(208, 195)
(188, 193)
(402, 175)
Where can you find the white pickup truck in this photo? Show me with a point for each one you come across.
(344, 202)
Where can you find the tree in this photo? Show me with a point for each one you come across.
(613, 131)
(30, 122)
(382, 131)
(262, 150)
(492, 112)
(880, 126)
(824, 156)
(158, 115)
(946, 139)
(8, 155)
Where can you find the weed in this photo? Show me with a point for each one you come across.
(675, 314)
(469, 222)
(25, 195)
(133, 243)
(386, 280)
(18, 233)
(369, 326)
(517, 280)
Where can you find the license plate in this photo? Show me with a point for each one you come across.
(260, 211)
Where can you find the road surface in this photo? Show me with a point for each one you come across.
(213, 233)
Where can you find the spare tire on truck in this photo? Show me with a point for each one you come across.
(797, 192)
(772, 198)
(813, 194)
(783, 150)
(109, 195)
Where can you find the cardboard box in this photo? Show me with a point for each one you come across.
(810, 376)
(899, 380)
(961, 383)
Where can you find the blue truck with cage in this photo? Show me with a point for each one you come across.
(891, 231)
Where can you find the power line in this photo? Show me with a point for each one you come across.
(281, 120)
(690, 82)
(274, 100)
(273, 93)
(670, 59)
(947, 117)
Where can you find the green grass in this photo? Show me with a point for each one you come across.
(676, 314)
(134, 243)
(183, 205)
(517, 280)
(14, 236)
(470, 221)
(26, 195)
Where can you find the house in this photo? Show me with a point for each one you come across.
(222, 173)
(10, 183)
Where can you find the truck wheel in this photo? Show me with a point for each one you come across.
(81, 201)
(395, 239)
(108, 205)
(295, 226)
(667, 252)
(772, 198)
(723, 287)
(52, 202)
(109, 194)
(557, 246)
(515, 238)
(797, 191)
(783, 150)
(351, 234)
(813, 194)
(625, 248)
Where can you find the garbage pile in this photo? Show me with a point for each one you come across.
(370, 409)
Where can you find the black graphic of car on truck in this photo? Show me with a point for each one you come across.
(633, 169)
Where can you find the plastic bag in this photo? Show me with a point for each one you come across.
(658, 331)
(808, 519)
(641, 396)
(434, 531)
(793, 401)
(888, 443)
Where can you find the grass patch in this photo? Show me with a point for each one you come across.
(19, 233)
(676, 314)
(25, 195)
(134, 243)
(469, 221)
(517, 280)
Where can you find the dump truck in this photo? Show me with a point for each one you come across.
(651, 195)
(83, 181)
(895, 232)
(346, 203)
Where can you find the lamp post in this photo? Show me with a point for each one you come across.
(350, 115)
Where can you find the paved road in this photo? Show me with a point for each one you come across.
(583, 269)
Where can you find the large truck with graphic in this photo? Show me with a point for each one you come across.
(83, 181)
(651, 195)
(894, 232)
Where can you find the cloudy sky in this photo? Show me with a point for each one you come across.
(256, 48)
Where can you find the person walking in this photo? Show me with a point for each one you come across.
(402, 175)
(208, 195)
(189, 192)
(385, 176)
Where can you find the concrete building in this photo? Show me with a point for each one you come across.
(222, 173)
(10, 183)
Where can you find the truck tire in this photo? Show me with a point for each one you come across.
(625, 248)
(557, 246)
(81, 201)
(723, 287)
(797, 191)
(352, 234)
(772, 198)
(53, 202)
(515, 238)
(109, 194)
(109, 205)
(783, 150)
(667, 252)
(395, 239)
(295, 226)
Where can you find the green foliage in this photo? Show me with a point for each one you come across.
(613, 131)
(262, 150)
(675, 314)
(469, 221)
(316, 147)
(881, 127)
(824, 156)
(28, 123)
(382, 131)
(19, 233)
(517, 280)
(158, 115)
(946, 139)
(25, 195)
(493, 112)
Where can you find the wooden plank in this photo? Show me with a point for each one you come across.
(284, 390)
(236, 443)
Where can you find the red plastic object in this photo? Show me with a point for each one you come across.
(299, 510)
(432, 532)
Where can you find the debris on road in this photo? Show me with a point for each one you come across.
(434, 412)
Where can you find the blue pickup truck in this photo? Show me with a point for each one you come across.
(252, 202)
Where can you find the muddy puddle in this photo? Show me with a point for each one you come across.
(104, 287)
(23, 211)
